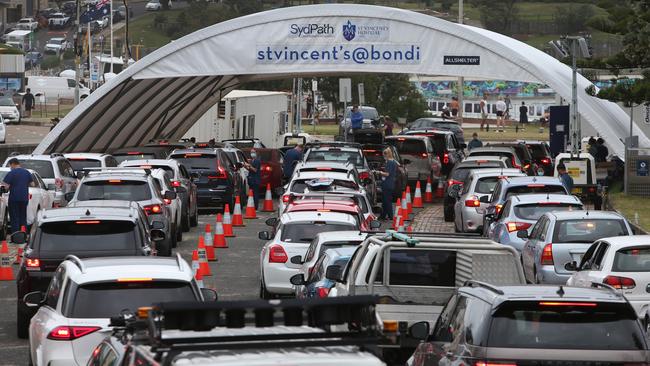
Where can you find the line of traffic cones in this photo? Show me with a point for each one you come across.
(219, 235)
(268, 199)
(209, 243)
(417, 199)
(250, 206)
(428, 192)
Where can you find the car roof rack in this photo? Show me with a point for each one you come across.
(317, 313)
(125, 169)
(487, 286)
(612, 289)
(78, 262)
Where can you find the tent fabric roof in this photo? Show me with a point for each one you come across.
(163, 95)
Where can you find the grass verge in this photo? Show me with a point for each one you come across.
(631, 206)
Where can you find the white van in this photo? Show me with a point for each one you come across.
(54, 87)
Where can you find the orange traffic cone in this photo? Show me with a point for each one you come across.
(237, 219)
(428, 192)
(398, 218)
(227, 223)
(196, 268)
(6, 273)
(405, 211)
(209, 243)
(250, 206)
(268, 199)
(219, 237)
(204, 267)
(409, 201)
(441, 189)
(417, 199)
(19, 254)
(400, 224)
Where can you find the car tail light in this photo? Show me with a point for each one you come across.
(167, 201)
(567, 303)
(286, 198)
(176, 183)
(364, 175)
(498, 208)
(526, 166)
(445, 158)
(545, 161)
(152, 209)
(547, 255)
(66, 333)
(133, 153)
(277, 254)
(623, 283)
(32, 264)
(473, 202)
(516, 226)
(87, 222)
(323, 291)
(221, 173)
(494, 363)
(452, 182)
(267, 168)
(592, 189)
(58, 183)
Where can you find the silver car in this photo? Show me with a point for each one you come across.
(472, 200)
(521, 212)
(560, 238)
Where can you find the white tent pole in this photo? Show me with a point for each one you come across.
(111, 25)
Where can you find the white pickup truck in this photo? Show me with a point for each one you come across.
(414, 277)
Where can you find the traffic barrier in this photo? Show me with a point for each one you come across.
(209, 243)
(227, 223)
(250, 206)
(417, 199)
(6, 273)
(409, 201)
(196, 268)
(428, 192)
(237, 218)
(204, 267)
(441, 189)
(268, 199)
(219, 237)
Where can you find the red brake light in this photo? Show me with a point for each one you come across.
(133, 153)
(267, 168)
(545, 161)
(87, 222)
(452, 182)
(167, 201)
(152, 209)
(66, 333)
(516, 226)
(145, 166)
(364, 175)
(566, 303)
(176, 183)
(547, 255)
(473, 202)
(535, 186)
(286, 198)
(277, 254)
(424, 155)
(192, 155)
(369, 150)
(445, 158)
(401, 139)
(32, 263)
(623, 283)
(323, 291)
(323, 168)
(498, 208)
(527, 166)
(117, 181)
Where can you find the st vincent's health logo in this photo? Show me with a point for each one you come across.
(349, 31)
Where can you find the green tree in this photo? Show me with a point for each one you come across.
(497, 15)
(637, 40)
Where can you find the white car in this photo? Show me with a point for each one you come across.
(622, 262)
(56, 45)
(9, 111)
(293, 233)
(81, 161)
(27, 24)
(39, 197)
(321, 181)
(153, 5)
(3, 130)
(175, 205)
(73, 315)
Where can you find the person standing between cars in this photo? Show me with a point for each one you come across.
(483, 105)
(602, 150)
(388, 185)
(18, 180)
(28, 101)
(254, 175)
(356, 119)
(388, 126)
(566, 179)
(501, 113)
(291, 158)
(475, 142)
(523, 114)
(454, 106)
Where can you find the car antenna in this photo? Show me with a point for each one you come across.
(547, 195)
(560, 292)
(87, 212)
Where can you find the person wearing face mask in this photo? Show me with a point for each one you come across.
(254, 168)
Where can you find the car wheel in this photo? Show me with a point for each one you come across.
(22, 323)
(29, 357)
(194, 219)
(449, 213)
(173, 237)
(179, 236)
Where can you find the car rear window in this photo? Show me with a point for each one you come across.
(264, 155)
(104, 300)
(114, 189)
(534, 211)
(44, 167)
(353, 157)
(585, 325)
(538, 151)
(587, 231)
(535, 188)
(486, 185)
(86, 236)
(301, 186)
(418, 267)
(197, 161)
(636, 259)
(81, 164)
(129, 156)
(336, 244)
(409, 147)
(305, 232)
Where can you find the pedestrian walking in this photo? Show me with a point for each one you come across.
(254, 168)
(388, 126)
(18, 180)
(593, 149)
(483, 105)
(388, 179)
(475, 142)
(28, 102)
(501, 112)
(291, 158)
(566, 179)
(601, 150)
(454, 106)
(523, 114)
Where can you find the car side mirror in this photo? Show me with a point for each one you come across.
(209, 294)
(375, 224)
(159, 225)
(419, 330)
(68, 196)
(264, 235)
(571, 266)
(334, 273)
(34, 299)
(522, 234)
(169, 195)
(297, 279)
(271, 221)
(484, 199)
(157, 235)
(406, 161)
(19, 237)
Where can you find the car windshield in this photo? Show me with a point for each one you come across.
(43, 167)
(535, 188)
(486, 185)
(87, 236)
(636, 259)
(408, 146)
(55, 41)
(114, 189)
(304, 232)
(104, 300)
(534, 211)
(197, 161)
(368, 113)
(81, 164)
(141, 156)
(587, 230)
(339, 156)
(7, 102)
(585, 325)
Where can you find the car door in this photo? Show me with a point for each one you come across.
(48, 315)
(582, 277)
(527, 255)
(433, 349)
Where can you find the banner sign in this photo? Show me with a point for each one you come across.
(462, 60)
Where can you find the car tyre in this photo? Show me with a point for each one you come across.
(179, 236)
(186, 219)
(194, 219)
(22, 323)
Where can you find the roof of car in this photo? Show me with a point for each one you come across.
(516, 181)
(545, 292)
(84, 155)
(430, 131)
(495, 172)
(341, 236)
(334, 148)
(323, 206)
(522, 199)
(134, 174)
(166, 162)
(114, 268)
(35, 157)
(113, 210)
(194, 151)
(584, 215)
(486, 158)
(478, 150)
(407, 137)
(320, 165)
(336, 253)
(291, 217)
(324, 174)
(617, 242)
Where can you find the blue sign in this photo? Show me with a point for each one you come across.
(642, 168)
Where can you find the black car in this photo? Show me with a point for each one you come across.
(69, 7)
(217, 181)
(529, 165)
(541, 153)
(93, 229)
(445, 145)
(374, 154)
(429, 123)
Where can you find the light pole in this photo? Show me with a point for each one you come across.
(461, 80)
(77, 59)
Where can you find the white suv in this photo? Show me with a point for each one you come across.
(75, 312)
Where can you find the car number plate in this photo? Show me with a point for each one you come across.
(576, 190)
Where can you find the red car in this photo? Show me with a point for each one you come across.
(271, 167)
(341, 206)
